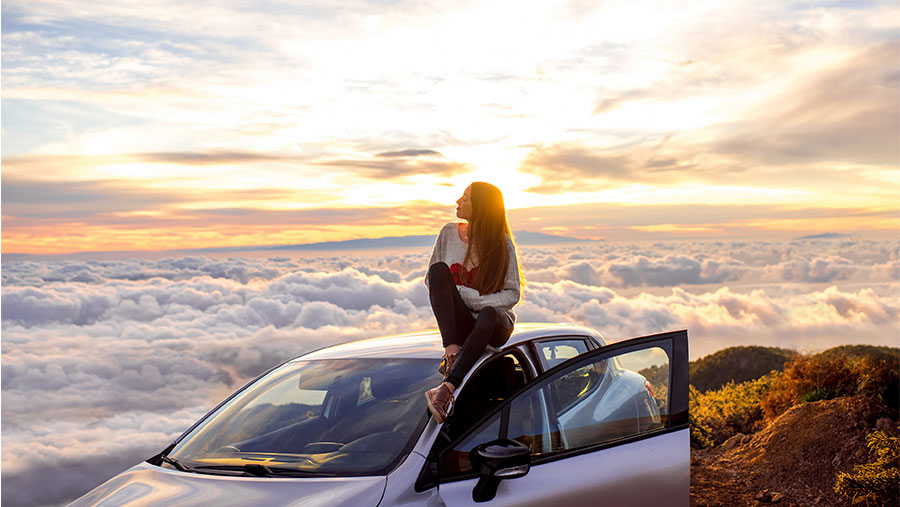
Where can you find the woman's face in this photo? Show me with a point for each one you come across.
(464, 204)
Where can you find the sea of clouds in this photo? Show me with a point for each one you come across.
(104, 362)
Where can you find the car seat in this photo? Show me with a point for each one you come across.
(489, 386)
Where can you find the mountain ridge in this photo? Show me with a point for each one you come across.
(525, 238)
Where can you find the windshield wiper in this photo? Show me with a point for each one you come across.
(175, 463)
(260, 470)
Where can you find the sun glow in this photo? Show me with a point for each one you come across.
(368, 119)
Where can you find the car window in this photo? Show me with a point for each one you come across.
(335, 416)
(489, 386)
(456, 461)
(573, 387)
(617, 398)
(595, 400)
(523, 420)
(554, 352)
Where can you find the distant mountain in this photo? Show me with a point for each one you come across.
(421, 241)
(738, 364)
(826, 235)
(359, 244)
(539, 238)
(522, 238)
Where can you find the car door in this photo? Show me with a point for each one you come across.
(609, 427)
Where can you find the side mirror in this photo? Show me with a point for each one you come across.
(497, 460)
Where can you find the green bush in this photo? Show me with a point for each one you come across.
(875, 483)
(735, 408)
(818, 395)
(700, 432)
(746, 407)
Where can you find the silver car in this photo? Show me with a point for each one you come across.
(558, 416)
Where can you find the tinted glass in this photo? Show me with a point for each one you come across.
(343, 417)
(558, 351)
(592, 403)
(456, 460)
(612, 398)
(525, 424)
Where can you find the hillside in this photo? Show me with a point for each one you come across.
(736, 364)
(793, 461)
(787, 436)
(861, 351)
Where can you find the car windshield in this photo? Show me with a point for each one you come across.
(331, 417)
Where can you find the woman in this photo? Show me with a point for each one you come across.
(473, 282)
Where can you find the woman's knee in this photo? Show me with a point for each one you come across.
(438, 268)
(490, 314)
(439, 274)
(498, 322)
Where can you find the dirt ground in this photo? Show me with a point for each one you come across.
(793, 461)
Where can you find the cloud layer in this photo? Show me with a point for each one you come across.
(106, 361)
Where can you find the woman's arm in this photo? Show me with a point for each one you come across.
(436, 252)
(505, 298)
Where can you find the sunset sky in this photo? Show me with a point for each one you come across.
(136, 126)
(146, 125)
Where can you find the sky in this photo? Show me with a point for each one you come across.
(705, 142)
(150, 125)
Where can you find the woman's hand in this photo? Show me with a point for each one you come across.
(468, 295)
(473, 299)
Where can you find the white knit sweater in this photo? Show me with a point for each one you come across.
(450, 249)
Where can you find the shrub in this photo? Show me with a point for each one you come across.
(701, 434)
(874, 483)
(830, 375)
(735, 408)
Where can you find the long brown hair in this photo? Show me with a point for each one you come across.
(488, 231)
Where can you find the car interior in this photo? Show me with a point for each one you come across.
(493, 383)
(374, 415)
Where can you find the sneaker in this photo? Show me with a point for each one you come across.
(439, 402)
(447, 362)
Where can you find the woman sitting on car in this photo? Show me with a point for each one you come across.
(473, 282)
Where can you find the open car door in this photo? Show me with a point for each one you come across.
(607, 427)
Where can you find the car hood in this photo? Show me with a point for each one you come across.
(146, 484)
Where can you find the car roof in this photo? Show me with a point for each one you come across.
(427, 344)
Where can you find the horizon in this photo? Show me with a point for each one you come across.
(350, 244)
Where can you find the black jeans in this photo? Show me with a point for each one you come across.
(457, 325)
